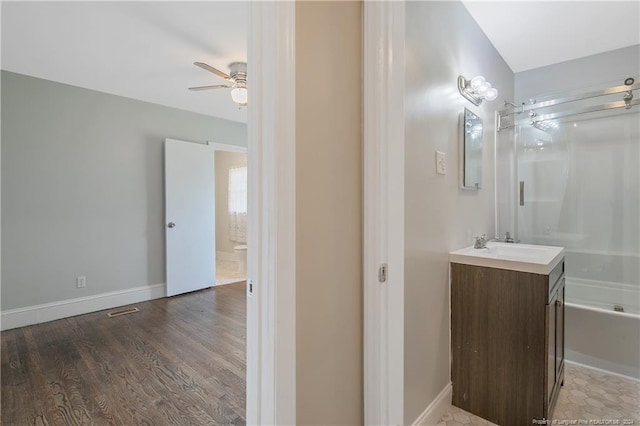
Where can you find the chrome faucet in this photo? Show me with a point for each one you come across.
(509, 239)
(481, 242)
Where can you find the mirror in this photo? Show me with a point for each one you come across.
(471, 149)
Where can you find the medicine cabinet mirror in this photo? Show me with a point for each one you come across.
(471, 161)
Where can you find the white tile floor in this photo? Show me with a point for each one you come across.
(457, 417)
(587, 395)
(591, 394)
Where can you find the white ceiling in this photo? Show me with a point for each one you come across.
(532, 34)
(141, 50)
(145, 50)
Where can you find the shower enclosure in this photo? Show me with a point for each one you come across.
(575, 160)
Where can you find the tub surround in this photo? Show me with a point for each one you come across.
(230, 268)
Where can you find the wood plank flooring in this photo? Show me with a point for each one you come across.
(179, 361)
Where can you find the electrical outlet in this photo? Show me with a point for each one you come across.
(81, 282)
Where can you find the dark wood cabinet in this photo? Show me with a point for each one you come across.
(507, 342)
(555, 343)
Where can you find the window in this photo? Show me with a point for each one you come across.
(238, 204)
(238, 190)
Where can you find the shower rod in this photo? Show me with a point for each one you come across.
(551, 116)
(533, 104)
(627, 102)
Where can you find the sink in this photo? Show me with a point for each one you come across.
(516, 257)
(516, 251)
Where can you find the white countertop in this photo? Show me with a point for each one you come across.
(535, 259)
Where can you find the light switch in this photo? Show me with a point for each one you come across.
(441, 163)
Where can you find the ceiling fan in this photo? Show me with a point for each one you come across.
(237, 79)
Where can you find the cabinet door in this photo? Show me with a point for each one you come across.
(559, 308)
(551, 355)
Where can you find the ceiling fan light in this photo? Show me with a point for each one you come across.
(240, 95)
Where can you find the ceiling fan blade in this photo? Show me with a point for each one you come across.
(212, 69)
(216, 86)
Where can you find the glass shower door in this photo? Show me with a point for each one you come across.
(579, 187)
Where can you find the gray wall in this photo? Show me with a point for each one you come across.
(82, 188)
(442, 41)
(224, 161)
(591, 71)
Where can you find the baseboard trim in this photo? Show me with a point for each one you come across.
(438, 407)
(37, 314)
(601, 370)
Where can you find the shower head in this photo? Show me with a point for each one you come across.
(544, 125)
(629, 81)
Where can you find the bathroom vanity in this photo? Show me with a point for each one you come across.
(507, 331)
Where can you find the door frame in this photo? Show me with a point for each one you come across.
(225, 147)
(383, 59)
(271, 272)
(217, 146)
(271, 342)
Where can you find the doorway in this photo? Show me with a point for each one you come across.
(230, 165)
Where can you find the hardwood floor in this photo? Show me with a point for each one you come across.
(179, 361)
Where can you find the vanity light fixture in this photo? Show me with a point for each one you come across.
(477, 89)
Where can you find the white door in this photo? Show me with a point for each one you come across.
(189, 216)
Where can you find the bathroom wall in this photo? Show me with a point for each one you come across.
(224, 161)
(329, 377)
(591, 71)
(83, 188)
(442, 42)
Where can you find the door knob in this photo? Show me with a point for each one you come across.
(171, 225)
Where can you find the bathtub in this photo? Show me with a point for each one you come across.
(232, 263)
(605, 296)
(603, 339)
(598, 283)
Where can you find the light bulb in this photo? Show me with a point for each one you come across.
(491, 94)
(476, 82)
(482, 89)
(239, 95)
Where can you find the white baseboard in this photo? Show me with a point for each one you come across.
(586, 362)
(434, 412)
(37, 314)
